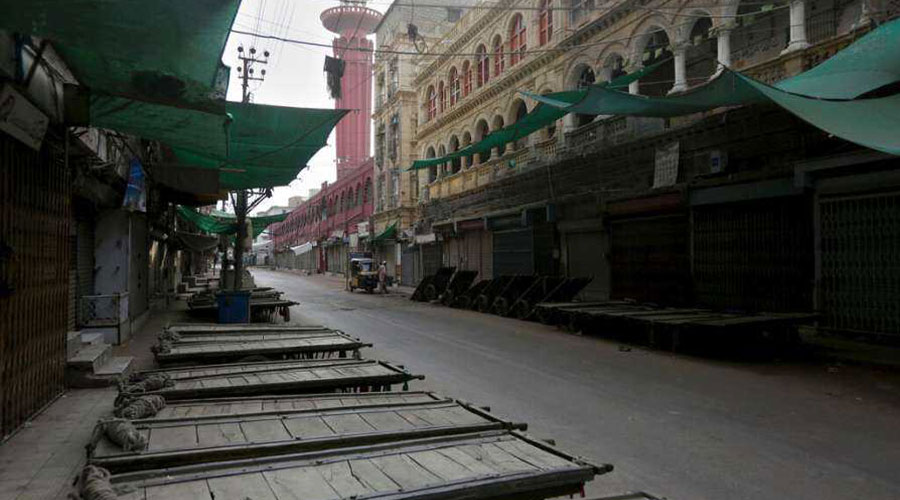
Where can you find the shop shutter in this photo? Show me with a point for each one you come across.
(487, 255)
(431, 258)
(860, 263)
(586, 255)
(408, 265)
(754, 256)
(514, 252)
(649, 259)
(35, 218)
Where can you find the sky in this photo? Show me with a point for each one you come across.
(294, 75)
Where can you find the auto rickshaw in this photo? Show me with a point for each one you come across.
(363, 274)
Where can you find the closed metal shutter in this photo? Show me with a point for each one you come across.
(754, 256)
(649, 259)
(860, 263)
(514, 252)
(487, 255)
(431, 258)
(408, 265)
(35, 218)
(473, 257)
(83, 277)
(586, 256)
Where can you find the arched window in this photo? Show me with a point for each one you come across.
(367, 195)
(545, 21)
(586, 78)
(483, 65)
(499, 57)
(454, 86)
(442, 96)
(466, 78)
(359, 193)
(432, 103)
(455, 163)
(517, 42)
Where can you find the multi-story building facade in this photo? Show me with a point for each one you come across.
(323, 228)
(397, 190)
(749, 221)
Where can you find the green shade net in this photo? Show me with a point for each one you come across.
(826, 96)
(223, 223)
(165, 51)
(388, 234)
(266, 146)
(540, 117)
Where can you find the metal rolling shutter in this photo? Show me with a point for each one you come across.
(514, 252)
(431, 258)
(408, 265)
(860, 263)
(586, 256)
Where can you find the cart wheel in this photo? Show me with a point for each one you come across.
(463, 302)
(501, 306)
(430, 293)
(447, 298)
(483, 304)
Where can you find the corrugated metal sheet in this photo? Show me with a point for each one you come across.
(514, 251)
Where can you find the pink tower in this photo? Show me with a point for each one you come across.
(352, 21)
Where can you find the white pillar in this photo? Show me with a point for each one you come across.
(798, 27)
(680, 69)
(723, 47)
(635, 86)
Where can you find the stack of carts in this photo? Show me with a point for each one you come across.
(290, 411)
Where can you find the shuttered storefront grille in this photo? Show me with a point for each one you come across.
(586, 256)
(514, 252)
(860, 263)
(754, 256)
(34, 231)
(649, 259)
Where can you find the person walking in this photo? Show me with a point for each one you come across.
(382, 277)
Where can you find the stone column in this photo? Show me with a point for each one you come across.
(723, 46)
(679, 51)
(798, 27)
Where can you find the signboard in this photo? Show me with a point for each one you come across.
(666, 171)
(136, 192)
(20, 119)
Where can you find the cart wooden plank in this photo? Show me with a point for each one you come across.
(249, 337)
(189, 440)
(279, 378)
(221, 351)
(419, 468)
(209, 328)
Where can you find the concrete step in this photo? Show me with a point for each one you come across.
(90, 357)
(92, 338)
(109, 373)
(116, 366)
(73, 343)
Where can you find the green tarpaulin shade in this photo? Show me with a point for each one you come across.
(266, 146)
(166, 51)
(252, 145)
(828, 96)
(389, 233)
(539, 117)
(223, 223)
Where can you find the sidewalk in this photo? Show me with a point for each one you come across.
(40, 461)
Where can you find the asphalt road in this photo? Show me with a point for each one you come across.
(681, 427)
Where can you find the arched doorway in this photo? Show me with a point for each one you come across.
(455, 163)
(432, 170)
(657, 48)
(700, 55)
(584, 78)
(498, 124)
(481, 131)
(518, 111)
(466, 140)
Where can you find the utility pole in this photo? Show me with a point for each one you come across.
(240, 209)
